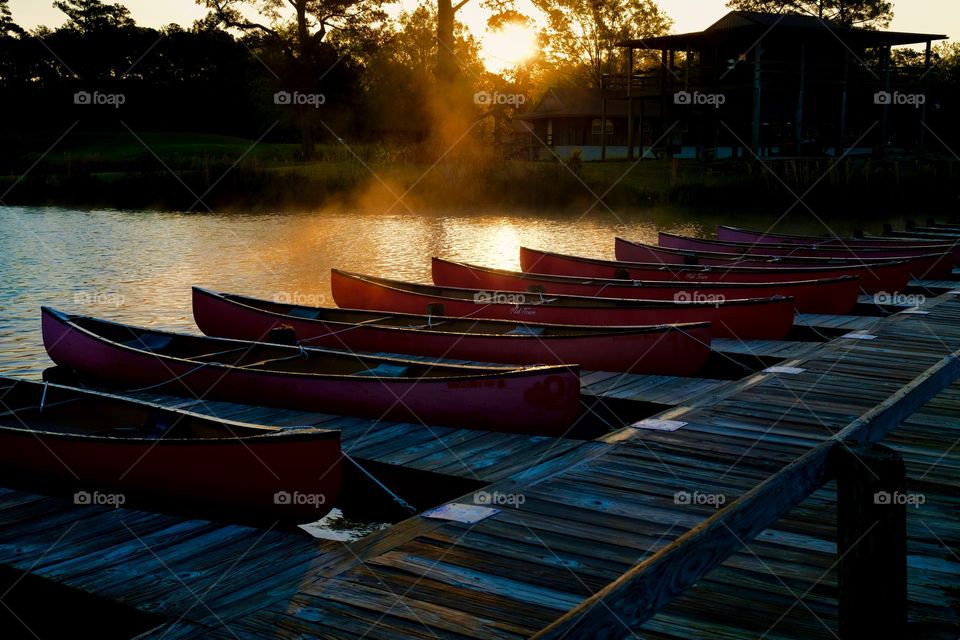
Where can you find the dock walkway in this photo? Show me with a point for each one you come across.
(568, 525)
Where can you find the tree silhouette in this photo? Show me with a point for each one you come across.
(852, 13)
(298, 38)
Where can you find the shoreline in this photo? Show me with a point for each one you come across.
(884, 187)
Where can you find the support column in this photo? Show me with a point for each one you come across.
(841, 138)
(603, 121)
(798, 132)
(885, 109)
(871, 542)
(926, 94)
(630, 104)
(755, 129)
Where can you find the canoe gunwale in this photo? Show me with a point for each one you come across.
(599, 302)
(488, 372)
(581, 331)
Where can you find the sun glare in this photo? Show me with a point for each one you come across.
(508, 46)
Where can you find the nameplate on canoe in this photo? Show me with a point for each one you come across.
(658, 425)
(859, 336)
(791, 371)
(460, 512)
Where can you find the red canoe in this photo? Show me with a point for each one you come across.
(933, 260)
(536, 400)
(875, 276)
(891, 276)
(834, 295)
(660, 350)
(109, 449)
(736, 234)
(763, 319)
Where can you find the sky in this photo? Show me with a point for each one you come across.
(938, 16)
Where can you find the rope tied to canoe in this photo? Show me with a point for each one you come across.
(819, 333)
(400, 501)
(719, 353)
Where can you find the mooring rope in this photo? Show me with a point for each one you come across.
(400, 501)
(719, 353)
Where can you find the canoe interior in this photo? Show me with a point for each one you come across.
(271, 357)
(438, 324)
(68, 411)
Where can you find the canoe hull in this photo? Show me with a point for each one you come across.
(874, 277)
(934, 261)
(834, 296)
(768, 319)
(229, 475)
(536, 401)
(734, 234)
(666, 352)
(245, 475)
(890, 277)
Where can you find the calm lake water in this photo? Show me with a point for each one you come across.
(138, 267)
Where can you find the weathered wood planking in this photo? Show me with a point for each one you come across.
(590, 514)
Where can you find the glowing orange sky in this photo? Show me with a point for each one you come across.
(937, 16)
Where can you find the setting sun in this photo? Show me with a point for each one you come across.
(508, 46)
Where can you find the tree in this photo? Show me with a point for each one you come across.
(90, 16)
(299, 37)
(581, 35)
(871, 14)
(7, 26)
(401, 88)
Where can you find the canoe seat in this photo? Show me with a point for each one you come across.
(300, 312)
(150, 342)
(526, 331)
(385, 370)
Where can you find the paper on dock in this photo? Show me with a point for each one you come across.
(658, 425)
(460, 512)
(787, 370)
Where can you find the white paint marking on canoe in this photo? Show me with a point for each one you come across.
(915, 312)
(859, 336)
(787, 370)
(460, 512)
(658, 425)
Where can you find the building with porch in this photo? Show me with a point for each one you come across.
(752, 84)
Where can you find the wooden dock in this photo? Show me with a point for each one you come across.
(719, 521)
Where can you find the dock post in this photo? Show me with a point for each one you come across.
(871, 542)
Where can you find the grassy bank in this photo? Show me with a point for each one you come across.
(221, 173)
